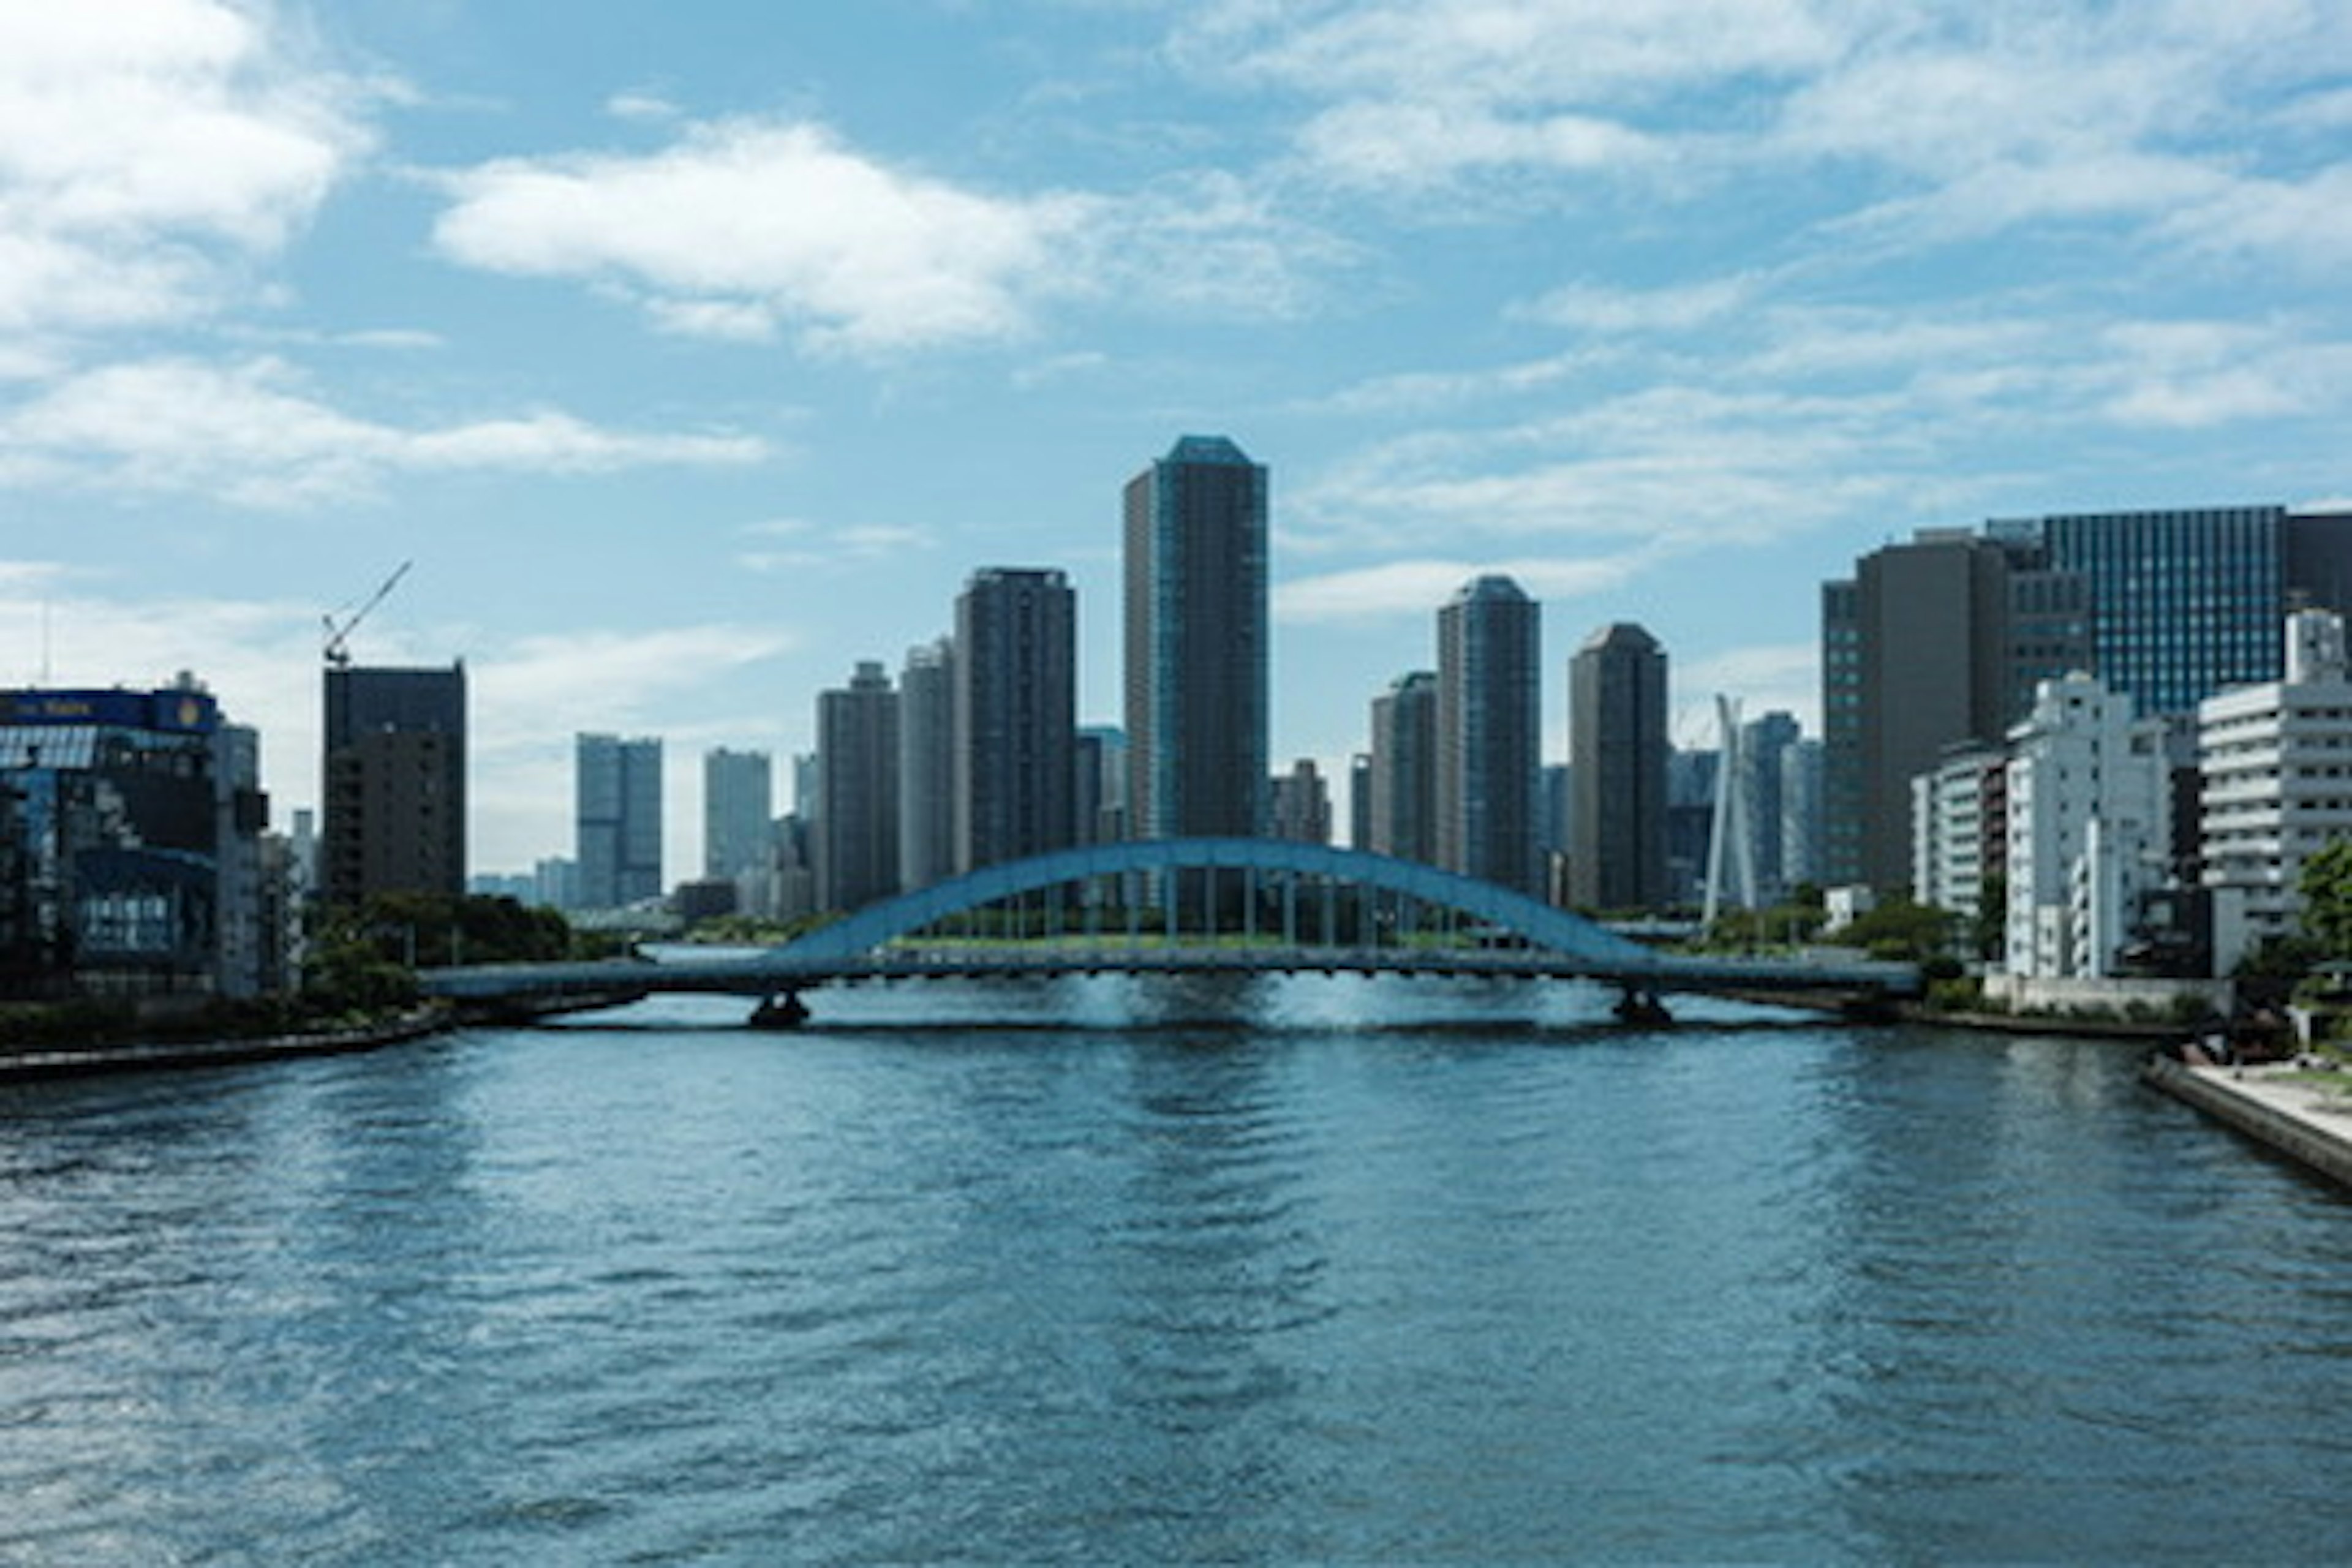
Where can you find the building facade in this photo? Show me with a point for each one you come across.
(739, 812)
(617, 820)
(1016, 730)
(1489, 734)
(855, 842)
(1959, 829)
(1302, 803)
(926, 764)
(1619, 750)
(130, 855)
(1196, 639)
(392, 784)
(1402, 810)
(2276, 762)
(2089, 829)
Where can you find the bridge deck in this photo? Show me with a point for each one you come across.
(774, 973)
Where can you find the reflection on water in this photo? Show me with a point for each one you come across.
(1266, 1269)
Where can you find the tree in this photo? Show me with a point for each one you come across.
(2326, 890)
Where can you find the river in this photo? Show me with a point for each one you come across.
(1110, 1270)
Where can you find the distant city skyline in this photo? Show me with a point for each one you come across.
(1670, 316)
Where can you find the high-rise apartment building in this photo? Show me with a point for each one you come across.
(1302, 803)
(1489, 732)
(1403, 811)
(1196, 643)
(739, 812)
(617, 819)
(1619, 751)
(855, 842)
(1016, 684)
(394, 783)
(927, 765)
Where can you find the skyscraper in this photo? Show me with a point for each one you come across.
(393, 783)
(617, 820)
(1403, 807)
(739, 811)
(1490, 734)
(1619, 753)
(856, 836)
(1301, 804)
(1934, 642)
(1016, 687)
(926, 764)
(1196, 637)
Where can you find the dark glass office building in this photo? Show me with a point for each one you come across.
(393, 791)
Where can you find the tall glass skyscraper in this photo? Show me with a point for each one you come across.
(1196, 635)
(1016, 685)
(617, 820)
(738, 812)
(1490, 734)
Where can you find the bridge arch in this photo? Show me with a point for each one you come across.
(1538, 924)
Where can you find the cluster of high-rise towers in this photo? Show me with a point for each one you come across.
(975, 755)
(2106, 715)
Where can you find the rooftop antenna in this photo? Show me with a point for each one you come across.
(337, 652)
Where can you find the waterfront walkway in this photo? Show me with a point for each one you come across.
(2303, 1114)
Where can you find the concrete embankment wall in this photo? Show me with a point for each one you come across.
(137, 1056)
(2327, 1153)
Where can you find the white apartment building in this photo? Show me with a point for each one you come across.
(2088, 828)
(2276, 764)
(1954, 819)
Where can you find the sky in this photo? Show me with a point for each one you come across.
(693, 352)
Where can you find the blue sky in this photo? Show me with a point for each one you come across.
(693, 352)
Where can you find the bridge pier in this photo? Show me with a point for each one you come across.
(1638, 1005)
(784, 1011)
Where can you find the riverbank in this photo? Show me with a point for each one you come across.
(2302, 1113)
(18, 1064)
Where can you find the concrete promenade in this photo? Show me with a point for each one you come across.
(2294, 1111)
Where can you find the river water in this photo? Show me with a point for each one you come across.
(1108, 1270)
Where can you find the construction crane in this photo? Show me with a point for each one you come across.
(338, 650)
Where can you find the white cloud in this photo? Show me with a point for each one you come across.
(792, 544)
(750, 230)
(147, 147)
(1417, 587)
(1595, 308)
(255, 434)
(748, 225)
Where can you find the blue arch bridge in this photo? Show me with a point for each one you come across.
(1189, 906)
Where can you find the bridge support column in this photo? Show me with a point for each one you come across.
(784, 1011)
(1639, 1005)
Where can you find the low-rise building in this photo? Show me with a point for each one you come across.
(2276, 766)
